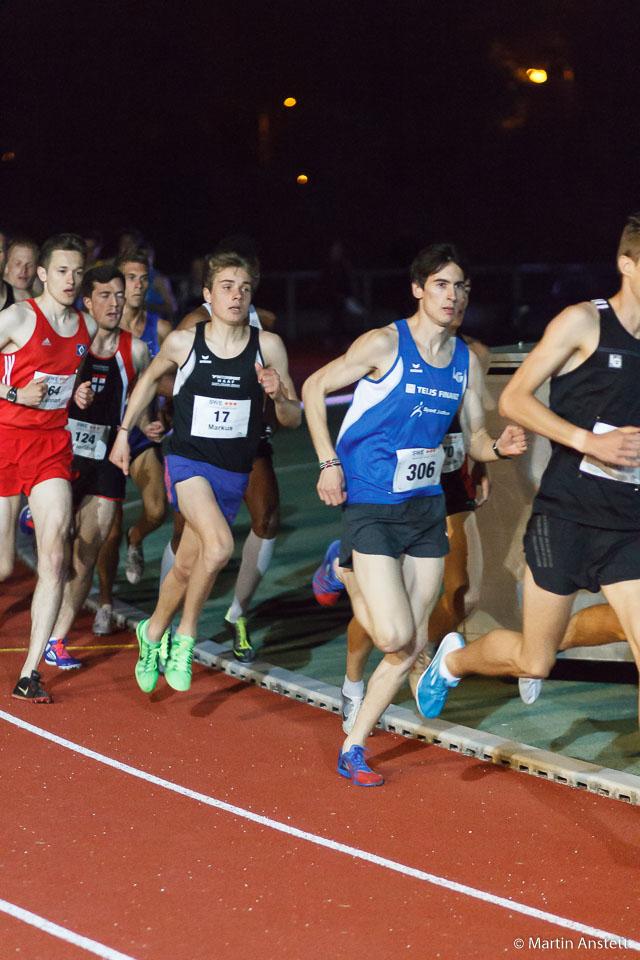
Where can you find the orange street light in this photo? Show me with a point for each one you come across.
(537, 75)
(302, 178)
(290, 102)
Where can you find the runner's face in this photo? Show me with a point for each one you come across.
(230, 296)
(63, 276)
(20, 270)
(106, 303)
(461, 305)
(439, 299)
(136, 278)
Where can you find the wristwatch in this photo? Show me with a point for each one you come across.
(12, 394)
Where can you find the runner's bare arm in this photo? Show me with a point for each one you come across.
(92, 325)
(480, 444)
(140, 355)
(276, 381)
(17, 323)
(189, 322)
(173, 353)
(568, 340)
(372, 354)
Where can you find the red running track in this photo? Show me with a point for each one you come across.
(149, 872)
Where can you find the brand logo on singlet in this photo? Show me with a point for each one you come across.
(46, 342)
(416, 368)
(615, 360)
(458, 376)
(98, 381)
(81, 350)
(217, 380)
(206, 360)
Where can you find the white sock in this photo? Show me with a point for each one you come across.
(353, 688)
(256, 557)
(446, 673)
(166, 563)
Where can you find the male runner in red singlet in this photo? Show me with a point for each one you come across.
(42, 343)
(98, 487)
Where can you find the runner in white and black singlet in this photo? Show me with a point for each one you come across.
(98, 486)
(585, 528)
(224, 369)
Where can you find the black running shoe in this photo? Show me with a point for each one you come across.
(31, 689)
(242, 647)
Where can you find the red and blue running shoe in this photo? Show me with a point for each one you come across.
(326, 586)
(353, 766)
(25, 522)
(57, 655)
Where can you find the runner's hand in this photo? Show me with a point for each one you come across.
(154, 431)
(83, 396)
(33, 394)
(480, 478)
(269, 380)
(331, 486)
(619, 447)
(120, 454)
(512, 441)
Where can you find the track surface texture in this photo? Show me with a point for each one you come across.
(213, 824)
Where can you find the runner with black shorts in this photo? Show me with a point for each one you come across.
(413, 376)
(146, 459)
(111, 366)
(224, 368)
(584, 531)
(43, 342)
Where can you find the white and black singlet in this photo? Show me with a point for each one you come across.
(218, 405)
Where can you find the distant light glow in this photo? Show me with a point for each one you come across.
(290, 102)
(302, 178)
(8, 156)
(537, 75)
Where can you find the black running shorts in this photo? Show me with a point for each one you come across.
(96, 478)
(565, 556)
(415, 527)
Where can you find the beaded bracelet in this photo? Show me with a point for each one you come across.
(330, 463)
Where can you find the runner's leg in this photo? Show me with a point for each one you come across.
(50, 503)
(146, 472)
(94, 520)
(9, 509)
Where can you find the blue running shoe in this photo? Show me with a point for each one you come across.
(432, 688)
(326, 586)
(353, 766)
(57, 655)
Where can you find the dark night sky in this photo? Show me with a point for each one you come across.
(411, 124)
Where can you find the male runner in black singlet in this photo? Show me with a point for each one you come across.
(98, 487)
(584, 531)
(224, 369)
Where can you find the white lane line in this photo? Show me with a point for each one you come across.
(334, 845)
(97, 949)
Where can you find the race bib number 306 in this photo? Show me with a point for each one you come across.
(417, 467)
(59, 390)
(220, 419)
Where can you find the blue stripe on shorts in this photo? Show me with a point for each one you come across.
(228, 487)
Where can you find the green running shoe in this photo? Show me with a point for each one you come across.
(177, 671)
(147, 665)
(242, 646)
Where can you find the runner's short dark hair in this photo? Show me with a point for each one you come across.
(61, 241)
(630, 240)
(434, 258)
(104, 273)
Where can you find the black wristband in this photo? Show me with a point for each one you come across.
(500, 456)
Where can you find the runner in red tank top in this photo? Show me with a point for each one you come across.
(98, 487)
(42, 343)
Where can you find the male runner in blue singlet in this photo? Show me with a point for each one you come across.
(584, 531)
(385, 469)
